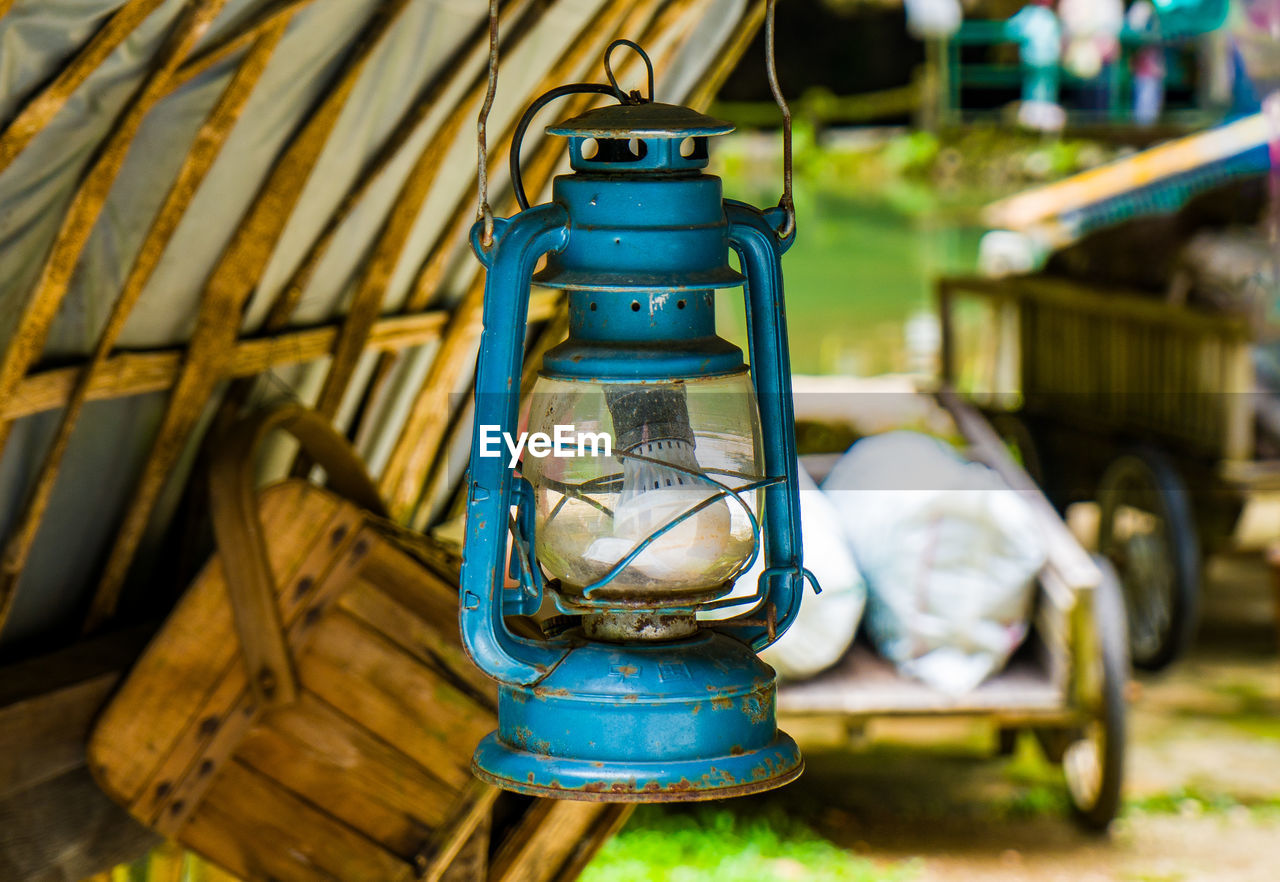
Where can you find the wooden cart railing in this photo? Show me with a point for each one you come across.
(1103, 358)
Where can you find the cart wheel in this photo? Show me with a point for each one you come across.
(1146, 530)
(1093, 762)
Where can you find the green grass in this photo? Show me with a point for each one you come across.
(1193, 800)
(719, 845)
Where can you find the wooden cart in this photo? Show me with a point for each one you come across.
(1066, 684)
(1145, 406)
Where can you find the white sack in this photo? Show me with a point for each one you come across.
(949, 554)
(826, 624)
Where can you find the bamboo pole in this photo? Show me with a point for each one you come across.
(443, 480)
(397, 228)
(44, 106)
(728, 57)
(233, 280)
(419, 439)
(266, 20)
(38, 313)
(473, 50)
(524, 11)
(136, 373)
(205, 149)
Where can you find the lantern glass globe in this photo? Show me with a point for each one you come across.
(672, 449)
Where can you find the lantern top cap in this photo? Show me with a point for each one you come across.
(646, 120)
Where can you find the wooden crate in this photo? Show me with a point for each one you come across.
(349, 757)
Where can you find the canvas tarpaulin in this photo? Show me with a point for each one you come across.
(112, 439)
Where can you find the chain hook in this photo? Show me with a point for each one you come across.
(787, 202)
(625, 97)
(484, 212)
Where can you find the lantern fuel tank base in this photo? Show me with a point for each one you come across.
(687, 720)
(598, 781)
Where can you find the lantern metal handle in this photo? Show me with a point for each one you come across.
(753, 236)
(518, 244)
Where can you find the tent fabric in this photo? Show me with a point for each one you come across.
(39, 38)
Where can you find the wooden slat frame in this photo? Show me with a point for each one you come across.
(394, 236)
(229, 287)
(216, 350)
(42, 107)
(433, 504)
(282, 12)
(205, 150)
(136, 373)
(32, 328)
(420, 438)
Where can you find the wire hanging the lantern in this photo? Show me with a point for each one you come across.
(787, 202)
(484, 212)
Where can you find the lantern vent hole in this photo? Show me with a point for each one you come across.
(694, 148)
(615, 150)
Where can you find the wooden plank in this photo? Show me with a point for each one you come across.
(136, 373)
(433, 640)
(43, 737)
(230, 285)
(368, 678)
(544, 840)
(133, 737)
(1239, 415)
(335, 765)
(470, 814)
(47, 705)
(242, 799)
(610, 818)
(471, 864)
(66, 828)
(205, 149)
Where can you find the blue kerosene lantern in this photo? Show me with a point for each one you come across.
(668, 466)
